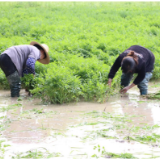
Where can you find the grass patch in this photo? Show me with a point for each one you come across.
(122, 155)
(153, 95)
(39, 153)
(10, 107)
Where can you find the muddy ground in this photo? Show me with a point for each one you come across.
(127, 126)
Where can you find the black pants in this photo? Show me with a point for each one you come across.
(11, 73)
(7, 65)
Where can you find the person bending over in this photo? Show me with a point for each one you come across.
(135, 59)
(19, 60)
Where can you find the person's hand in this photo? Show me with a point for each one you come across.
(109, 82)
(124, 90)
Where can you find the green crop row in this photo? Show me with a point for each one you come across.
(84, 40)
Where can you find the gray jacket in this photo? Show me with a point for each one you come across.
(19, 55)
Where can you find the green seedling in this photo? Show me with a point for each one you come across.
(36, 154)
(11, 107)
(122, 155)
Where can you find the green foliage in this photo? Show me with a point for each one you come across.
(122, 155)
(73, 80)
(30, 81)
(154, 95)
(84, 40)
(39, 153)
(59, 86)
(112, 155)
(3, 81)
(148, 138)
(10, 107)
(38, 111)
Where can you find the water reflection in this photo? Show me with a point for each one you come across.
(155, 111)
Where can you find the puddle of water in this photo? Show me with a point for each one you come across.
(52, 129)
(72, 145)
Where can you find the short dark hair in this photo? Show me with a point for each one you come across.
(128, 64)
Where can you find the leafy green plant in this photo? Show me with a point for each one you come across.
(60, 86)
(29, 81)
(86, 48)
(153, 95)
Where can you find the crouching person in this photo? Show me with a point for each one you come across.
(135, 59)
(19, 60)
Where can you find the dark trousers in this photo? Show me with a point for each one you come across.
(11, 73)
(143, 85)
(7, 65)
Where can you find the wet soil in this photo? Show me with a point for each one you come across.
(79, 130)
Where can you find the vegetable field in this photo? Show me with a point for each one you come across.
(84, 40)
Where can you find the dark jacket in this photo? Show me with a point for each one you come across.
(145, 63)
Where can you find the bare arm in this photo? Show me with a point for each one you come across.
(125, 89)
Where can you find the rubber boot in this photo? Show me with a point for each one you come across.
(143, 92)
(15, 84)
